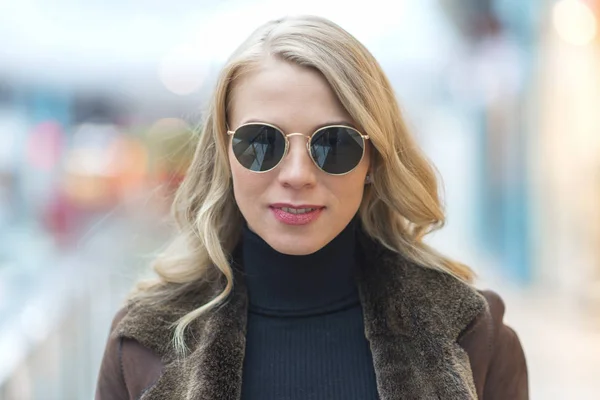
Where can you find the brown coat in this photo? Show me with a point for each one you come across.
(431, 337)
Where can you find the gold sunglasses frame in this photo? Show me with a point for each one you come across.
(309, 137)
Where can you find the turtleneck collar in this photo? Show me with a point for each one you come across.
(289, 285)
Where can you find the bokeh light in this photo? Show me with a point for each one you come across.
(575, 22)
(184, 69)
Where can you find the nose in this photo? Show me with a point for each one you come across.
(297, 169)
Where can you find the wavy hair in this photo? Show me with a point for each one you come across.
(398, 208)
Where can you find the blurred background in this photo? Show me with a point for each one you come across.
(99, 101)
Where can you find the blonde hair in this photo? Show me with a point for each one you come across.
(398, 208)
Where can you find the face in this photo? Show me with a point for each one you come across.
(296, 100)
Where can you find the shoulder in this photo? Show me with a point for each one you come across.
(148, 322)
(409, 298)
(495, 352)
(139, 345)
(489, 320)
(150, 318)
(418, 298)
(488, 326)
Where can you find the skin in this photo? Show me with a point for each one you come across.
(296, 99)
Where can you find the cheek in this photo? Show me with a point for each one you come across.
(348, 191)
(247, 185)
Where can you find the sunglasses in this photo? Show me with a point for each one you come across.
(334, 149)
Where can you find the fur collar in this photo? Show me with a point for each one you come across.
(413, 317)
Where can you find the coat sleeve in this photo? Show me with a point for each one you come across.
(111, 382)
(507, 377)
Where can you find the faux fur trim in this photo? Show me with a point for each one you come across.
(413, 317)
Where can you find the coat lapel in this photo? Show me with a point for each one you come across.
(413, 318)
(213, 368)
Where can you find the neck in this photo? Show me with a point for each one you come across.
(293, 285)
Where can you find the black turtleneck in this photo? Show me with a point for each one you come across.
(305, 335)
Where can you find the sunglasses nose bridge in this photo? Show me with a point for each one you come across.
(287, 138)
(297, 134)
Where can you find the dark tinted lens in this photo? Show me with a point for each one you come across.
(258, 147)
(337, 150)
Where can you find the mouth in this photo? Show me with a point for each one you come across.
(296, 209)
(302, 214)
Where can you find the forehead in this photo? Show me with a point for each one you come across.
(293, 97)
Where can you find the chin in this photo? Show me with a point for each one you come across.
(294, 246)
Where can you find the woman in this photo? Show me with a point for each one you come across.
(300, 270)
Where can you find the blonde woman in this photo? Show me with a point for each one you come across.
(300, 270)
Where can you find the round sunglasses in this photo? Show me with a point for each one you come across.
(335, 149)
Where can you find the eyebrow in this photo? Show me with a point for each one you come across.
(316, 128)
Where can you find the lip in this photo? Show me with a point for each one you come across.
(296, 219)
